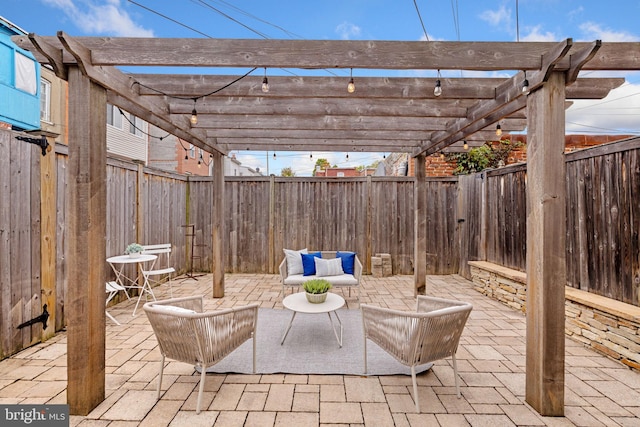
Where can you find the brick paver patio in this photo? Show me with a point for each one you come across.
(491, 361)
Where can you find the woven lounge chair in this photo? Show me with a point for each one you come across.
(430, 333)
(186, 334)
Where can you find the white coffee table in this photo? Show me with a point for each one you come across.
(298, 304)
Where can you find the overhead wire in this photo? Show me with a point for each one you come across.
(424, 29)
(170, 19)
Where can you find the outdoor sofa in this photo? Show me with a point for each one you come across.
(299, 266)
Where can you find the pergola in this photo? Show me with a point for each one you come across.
(317, 114)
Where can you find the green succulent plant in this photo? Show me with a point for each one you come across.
(133, 248)
(316, 286)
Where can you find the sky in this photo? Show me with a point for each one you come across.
(407, 20)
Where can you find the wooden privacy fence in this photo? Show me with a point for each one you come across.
(602, 224)
(367, 215)
(476, 217)
(263, 216)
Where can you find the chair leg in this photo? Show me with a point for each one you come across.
(254, 351)
(455, 374)
(160, 376)
(365, 356)
(415, 388)
(203, 376)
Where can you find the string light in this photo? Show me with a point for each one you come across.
(274, 156)
(311, 155)
(265, 82)
(186, 156)
(498, 130)
(525, 84)
(194, 113)
(351, 87)
(465, 145)
(441, 155)
(437, 91)
(347, 157)
(200, 159)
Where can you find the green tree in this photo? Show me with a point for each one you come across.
(287, 172)
(323, 163)
(483, 157)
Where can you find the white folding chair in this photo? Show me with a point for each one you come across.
(112, 289)
(162, 269)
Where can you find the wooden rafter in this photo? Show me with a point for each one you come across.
(384, 114)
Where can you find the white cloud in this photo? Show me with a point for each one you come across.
(593, 31)
(108, 17)
(495, 18)
(536, 35)
(347, 30)
(617, 113)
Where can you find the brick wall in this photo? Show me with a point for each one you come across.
(437, 166)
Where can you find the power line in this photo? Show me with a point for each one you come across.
(424, 29)
(288, 33)
(264, 36)
(170, 19)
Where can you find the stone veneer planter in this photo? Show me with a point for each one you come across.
(608, 326)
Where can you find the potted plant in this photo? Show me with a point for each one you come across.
(316, 290)
(134, 250)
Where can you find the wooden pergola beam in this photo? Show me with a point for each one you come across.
(153, 110)
(330, 54)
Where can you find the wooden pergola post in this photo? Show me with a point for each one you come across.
(86, 227)
(546, 268)
(420, 224)
(48, 236)
(217, 225)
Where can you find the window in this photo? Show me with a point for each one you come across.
(45, 100)
(192, 151)
(340, 174)
(114, 118)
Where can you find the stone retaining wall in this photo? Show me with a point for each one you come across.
(605, 325)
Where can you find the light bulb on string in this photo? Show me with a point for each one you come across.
(265, 82)
(441, 155)
(465, 145)
(525, 84)
(194, 113)
(437, 91)
(186, 156)
(274, 156)
(498, 130)
(310, 155)
(351, 87)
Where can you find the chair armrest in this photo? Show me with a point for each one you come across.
(283, 269)
(357, 269)
(426, 304)
(191, 303)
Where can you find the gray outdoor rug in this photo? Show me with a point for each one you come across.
(310, 348)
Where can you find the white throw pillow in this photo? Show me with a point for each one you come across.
(294, 260)
(328, 267)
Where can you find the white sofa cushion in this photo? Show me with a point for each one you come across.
(341, 280)
(294, 260)
(328, 267)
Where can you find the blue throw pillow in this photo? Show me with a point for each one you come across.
(348, 261)
(309, 264)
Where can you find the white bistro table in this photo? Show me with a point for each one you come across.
(117, 263)
(298, 304)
